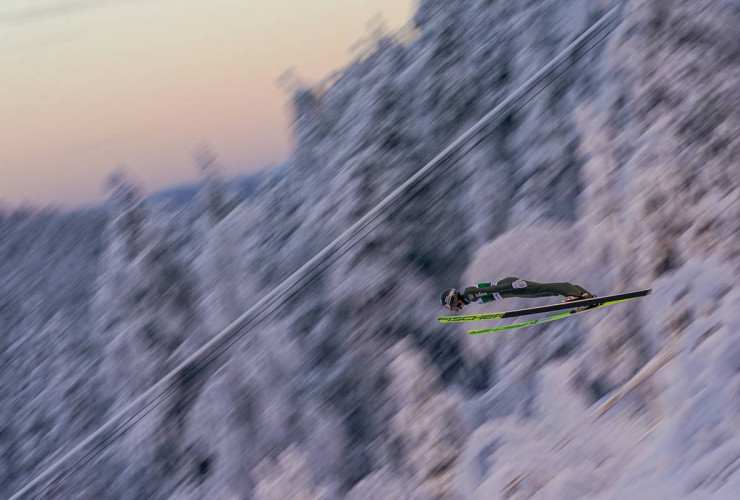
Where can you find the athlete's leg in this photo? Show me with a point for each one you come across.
(567, 289)
(532, 289)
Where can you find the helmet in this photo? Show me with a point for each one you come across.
(449, 298)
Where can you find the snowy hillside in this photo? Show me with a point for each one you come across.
(621, 174)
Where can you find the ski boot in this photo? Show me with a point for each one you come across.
(584, 295)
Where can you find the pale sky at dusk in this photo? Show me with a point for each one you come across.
(87, 85)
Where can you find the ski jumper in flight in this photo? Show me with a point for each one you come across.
(511, 287)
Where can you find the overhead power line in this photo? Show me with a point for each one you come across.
(126, 418)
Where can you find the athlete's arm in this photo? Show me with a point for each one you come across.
(474, 293)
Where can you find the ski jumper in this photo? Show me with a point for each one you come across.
(517, 287)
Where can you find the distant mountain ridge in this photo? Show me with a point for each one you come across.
(246, 186)
(183, 194)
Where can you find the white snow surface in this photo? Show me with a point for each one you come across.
(622, 174)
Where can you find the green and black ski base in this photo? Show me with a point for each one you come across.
(546, 318)
(597, 301)
(590, 303)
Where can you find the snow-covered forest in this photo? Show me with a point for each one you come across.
(623, 173)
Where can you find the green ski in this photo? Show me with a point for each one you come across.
(596, 301)
(545, 319)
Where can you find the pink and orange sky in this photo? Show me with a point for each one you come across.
(88, 85)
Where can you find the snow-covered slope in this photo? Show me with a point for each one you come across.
(622, 174)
